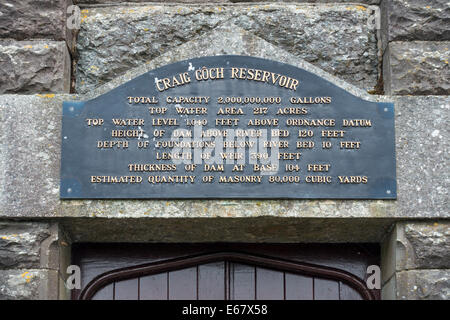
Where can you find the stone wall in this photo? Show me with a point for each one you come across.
(47, 66)
(33, 257)
(35, 57)
(35, 47)
(29, 171)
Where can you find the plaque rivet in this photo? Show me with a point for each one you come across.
(65, 137)
(69, 190)
(388, 191)
(386, 109)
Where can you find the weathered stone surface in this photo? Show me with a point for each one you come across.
(409, 20)
(416, 245)
(423, 285)
(39, 118)
(227, 38)
(19, 284)
(34, 66)
(417, 68)
(337, 37)
(30, 19)
(389, 252)
(262, 229)
(430, 243)
(30, 186)
(20, 244)
(28, 284)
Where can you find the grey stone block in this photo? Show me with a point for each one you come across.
(31, 188)
(423, 154)
(54, 249)
(423, 285)
(417, 68)
(50, 283)
(30, 19)
(81, 2)
(34, 66)
(334, 37)
(33, 260)
(388, 290)
(262, 229)
(409, 20)
(20, 244)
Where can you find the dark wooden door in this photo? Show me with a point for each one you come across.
(248, 274)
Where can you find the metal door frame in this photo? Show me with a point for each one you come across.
(278, 264)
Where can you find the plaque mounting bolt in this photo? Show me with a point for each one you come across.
(69, 190)
(386, 109)
(388, 191)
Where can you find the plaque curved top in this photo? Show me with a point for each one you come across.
(325, 142)
(310, 78)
